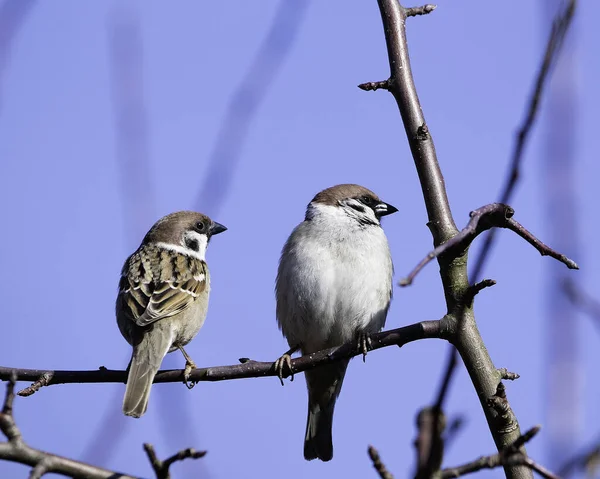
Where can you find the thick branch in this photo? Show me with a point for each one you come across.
(16, 450)
(453, 271)
(559, 30)
(495, 215)
(402, 86)
(248, 369)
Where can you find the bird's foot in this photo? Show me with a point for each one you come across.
(283, 362)
(189, 366)
(363, 343)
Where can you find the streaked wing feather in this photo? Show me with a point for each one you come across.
(151, 293)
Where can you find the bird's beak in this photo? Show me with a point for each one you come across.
(383, 209)
(217, 228)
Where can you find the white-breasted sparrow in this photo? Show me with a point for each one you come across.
(163, 298)
(334, 284)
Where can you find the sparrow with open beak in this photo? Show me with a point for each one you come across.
(163, 298)
(334, 284)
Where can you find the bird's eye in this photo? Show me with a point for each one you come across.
(200, 226)
(366, 200)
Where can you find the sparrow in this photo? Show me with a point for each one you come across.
(334, 284)
(163, 298)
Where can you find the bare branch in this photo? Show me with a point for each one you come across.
(424, 10)
(453, 274)
(16, 450)
(161, 468)
(378, 465)
(559, 30)
(506, 374)
(553, 48)
(495, 215)
(510, 455)
(375, 85)
(248, 369)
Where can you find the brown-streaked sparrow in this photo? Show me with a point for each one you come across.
(163, 298)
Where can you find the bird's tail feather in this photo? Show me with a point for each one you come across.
(145, 363)
(324, 386)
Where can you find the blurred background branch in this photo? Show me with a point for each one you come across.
(13, 14)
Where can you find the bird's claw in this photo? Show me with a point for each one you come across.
(364, 344)
(283, 361)
(189, 366)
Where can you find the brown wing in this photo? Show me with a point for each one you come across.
(157, 283)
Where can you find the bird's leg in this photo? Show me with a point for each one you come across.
(189, 365)
(285, 360)
(363, 343)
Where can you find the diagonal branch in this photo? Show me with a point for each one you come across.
(559, 30)
(248, 368)
(495, 215)
(161, 468)
(378, 464)
(16, 450)
(453, 271)
(510, 455)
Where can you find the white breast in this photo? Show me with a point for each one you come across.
(334, 280)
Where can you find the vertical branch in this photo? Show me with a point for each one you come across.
(559, 200)
(460, 319)
(554, 44)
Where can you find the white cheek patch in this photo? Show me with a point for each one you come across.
(200, 239)
(184, 250)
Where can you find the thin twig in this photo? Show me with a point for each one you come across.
(249, 369)
(378, 464)
(423, 10)
(161, 468)
(495, 215)
(510, 455)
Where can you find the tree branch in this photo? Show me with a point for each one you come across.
(495, 215)
(248, 368)
(16, 450)
(559, 30)
(509, 456)
(161, 468)
(378, 464)
(453, 269)
(553, 48)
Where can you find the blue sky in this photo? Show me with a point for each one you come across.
(68, 225)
